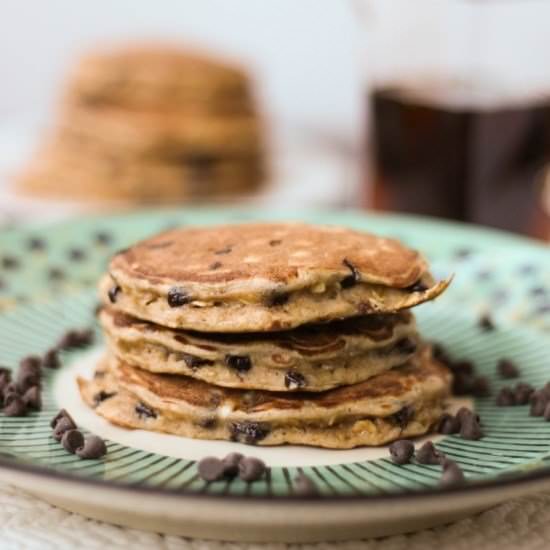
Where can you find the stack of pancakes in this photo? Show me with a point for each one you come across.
(268, 334)
(151, 123)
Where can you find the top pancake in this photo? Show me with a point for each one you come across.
(270, 276)
(161, 76)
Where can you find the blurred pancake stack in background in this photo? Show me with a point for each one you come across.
(151, 123)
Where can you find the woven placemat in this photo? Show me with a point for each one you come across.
(28, 523)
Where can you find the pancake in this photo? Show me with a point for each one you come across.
(159, 76)
(265, 277)
(111, 175)
(403, 402)
(309, 358)
(161, 135)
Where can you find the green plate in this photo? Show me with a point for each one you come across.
(47, 278)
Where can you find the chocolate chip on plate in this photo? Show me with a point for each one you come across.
(9, 389)
(452, 474)
(14, 405)
(177, 297)
(211, 468)
(486, 323)
(401, 451)
(539, 400)
(448, 424)
(63, 425)
(103, 238)
(50, 360)
(113, 293)
(36, 244)
(29, 373)
(294, 380)
(470, 428)
(506, 397)
(240, 363)
(231, 464)
(61, 414)
(304, 486)
(464, 413)
(428, 454)
(480, 387)
(5, 377)
(33, 398)
(523, 392)
(77, 254)
(507, 369)
(72, 440)
(251, 468)
(94, 447)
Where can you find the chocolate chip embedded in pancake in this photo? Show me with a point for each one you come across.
(368, 413)
(310, 358)
(307, 267)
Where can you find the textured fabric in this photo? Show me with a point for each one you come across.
(28, 523)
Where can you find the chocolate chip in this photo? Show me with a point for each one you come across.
(103, 238)
(62, 414)
(463, 383)
(10, 262)
(506, 397)
(178, 297)
(304, 486)
(225, 250)
(480, 387)
(101, 396)
(465, 413)
(215, 265)
(523, 392)
(507, 369)
(208, 423)
(275, 242)
(211, 468)
(32, 398)
(406, 346)
(248, 432)
(29, 373)
(452, 474)
(94, 447)
(401, 451)
(14, 405)
(470, 428)
(63, 425)
(143, 410)
(56, 274)
(403, 416)
(352, 279)
(240, 363)
(418, 286)
(441, 354)
(72, 440)
(464, 367)
(277, 298)
(486, 323)
(448, 424)
(231, 464)
(9, 389)
(113, 293)
(50, 360)
(5, 377)
(74, 339)
(539, 400)
(192, 361)
(294, 380)
(251, 469)
(428, 454)
(77, 254)
(36, 244)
